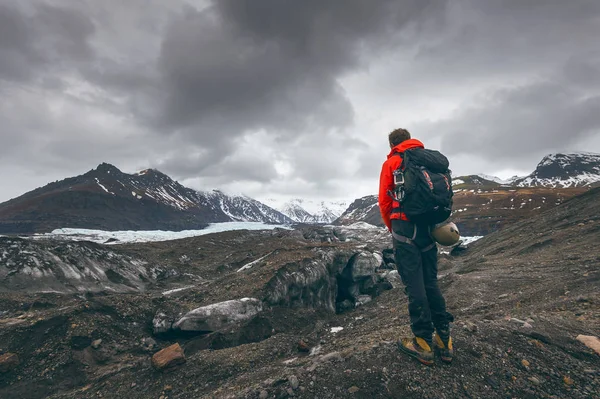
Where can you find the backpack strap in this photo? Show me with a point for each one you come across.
(410, 241)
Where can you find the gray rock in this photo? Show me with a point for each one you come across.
(41, 265)
(96, 344)
(394, 278)
(379, 256)
(469, 326)
(534, 380)
(218, 315)
(149, 343)
(317, 280)
(294, 383)
(354, 290)
(364, 265)
(333, 356)
(162, 323)
(263, 395)
(363, 300)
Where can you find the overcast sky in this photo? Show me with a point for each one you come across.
(284, 98)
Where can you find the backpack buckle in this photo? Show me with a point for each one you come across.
(398, 185)
(398, 177)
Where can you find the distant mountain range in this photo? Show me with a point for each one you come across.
(307, 211)
(570, 170)
(483, 203)
(106, 198)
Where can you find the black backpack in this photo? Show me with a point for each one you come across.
(424, 186)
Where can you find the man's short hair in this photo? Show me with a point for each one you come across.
(398, 136)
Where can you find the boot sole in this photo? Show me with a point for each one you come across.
(444, 359)
(415, 356)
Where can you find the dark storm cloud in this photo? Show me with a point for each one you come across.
(49, 37)
(232, 169)
(181, 85)
(512, 125)
(272, 64)
(240, 66)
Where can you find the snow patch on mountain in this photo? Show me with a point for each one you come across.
(492, 178)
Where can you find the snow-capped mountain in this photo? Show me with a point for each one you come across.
(482, 180)
(309, 211)
(474, 182)
(108, 199)
(365, 209)
(491, 178)
(241, 208)
(484, 203)
(568, 170)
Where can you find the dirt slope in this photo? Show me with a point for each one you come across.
(543, 272)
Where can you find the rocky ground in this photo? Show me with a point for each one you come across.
(521, 297)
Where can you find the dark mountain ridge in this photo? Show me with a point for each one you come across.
(106, 198)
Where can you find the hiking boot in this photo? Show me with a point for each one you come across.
(417, 348)
(443, 347)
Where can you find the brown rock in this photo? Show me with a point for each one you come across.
(568, 380)
(525, 363)
(96, 344)
(353, 389)
(168, 357)
(303, 346)
(8, 361)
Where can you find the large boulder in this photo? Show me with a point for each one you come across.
(363, 265)
(219, 315)
(310, 283)
(38, 266)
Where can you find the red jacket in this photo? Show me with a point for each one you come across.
(386, 182)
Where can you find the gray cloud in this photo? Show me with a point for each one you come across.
(49, 37)
(518, 124)
(244, 65)
(292, 97)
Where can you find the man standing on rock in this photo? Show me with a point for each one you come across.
(415, 254)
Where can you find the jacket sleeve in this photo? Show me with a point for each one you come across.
(386, 183)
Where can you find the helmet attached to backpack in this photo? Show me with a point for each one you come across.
(446, 234)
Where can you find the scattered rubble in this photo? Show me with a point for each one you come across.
(299, 287)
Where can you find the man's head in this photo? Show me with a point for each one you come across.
(398, 136)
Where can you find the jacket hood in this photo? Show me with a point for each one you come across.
(405, 145)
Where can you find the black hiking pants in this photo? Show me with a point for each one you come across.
(416, 258)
